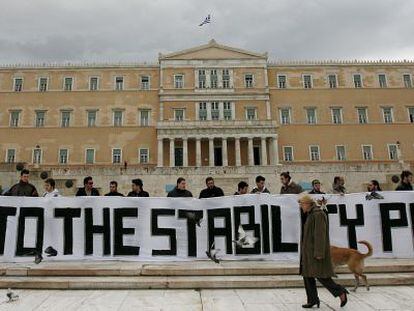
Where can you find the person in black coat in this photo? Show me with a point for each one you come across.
(211, 191)
(138, 189)
(242, 188)
(406, 181)
(316, 187)
(113, 190)
(23, 188)
(87, 189)
(180, 190)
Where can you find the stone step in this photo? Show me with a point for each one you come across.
(188, 282)
(194, 268)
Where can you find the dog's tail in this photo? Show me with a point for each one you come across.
(369, 246)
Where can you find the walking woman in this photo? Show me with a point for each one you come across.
(315, 257)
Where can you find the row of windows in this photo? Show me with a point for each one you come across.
(332, 81)
(92, 118)
(340, 152)
(212, 78)
(69, 83)
(337, 115)
(63, 156)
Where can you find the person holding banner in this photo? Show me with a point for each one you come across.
(87, 189)
(23, 188)
(180, 190)
(242, 188)
(138, 189)
(406, 181)
(315, 256)
(211, 191)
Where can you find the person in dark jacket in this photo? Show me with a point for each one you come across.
(260, 185)
(87, 189)
(316, 187)
(242, 188)
(406, 181)
(180, 190)
(288, 186)
(338, 185)
(23, 188)
(315, 255)
(138, 189)
(113, 190)
(211, 191)
(374, 186)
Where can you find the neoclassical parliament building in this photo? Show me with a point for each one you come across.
(210, 106)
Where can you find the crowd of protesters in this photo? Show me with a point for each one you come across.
(24, 188)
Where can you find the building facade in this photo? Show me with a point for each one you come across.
(209, 106)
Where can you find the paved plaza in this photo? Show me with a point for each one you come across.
(378, 298)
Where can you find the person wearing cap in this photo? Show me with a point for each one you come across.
(137, 189)
(316, 187)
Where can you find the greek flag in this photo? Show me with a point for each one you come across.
(206, 20)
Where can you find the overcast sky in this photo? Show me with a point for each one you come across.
(137, 30)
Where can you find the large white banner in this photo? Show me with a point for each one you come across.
(134, 229)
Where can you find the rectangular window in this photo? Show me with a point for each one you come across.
(288, 153)
(11, 156)
(91, 118)
(407, 81)
(336, 115)
(18, 84)
(362, 115)
(340, 153)
(37, 156)
(411, 114)
(67, 84)
(285, 116)
(393, 152)
(314, 153)
(307, 81)
(357, 80)
(63, 156)
(116, 156)
(248, 80)
(367, 152)
(43, 84)
(311, 115)
(382, 80)
(145, 83)
(201, 79)
(90, 156)
(93, 83)
(226, 78)
(281, 81)
(65, 119)
(251, 114)
(40, 118)
(213, 79)
(14, 118)
(118, 118)
(119, 83)
(387, 113)
(144, 117)
(143, 155)
(227, 111)
(178, 81)
(215, 112)
(332, 81)
(202, 111)
(178, 114)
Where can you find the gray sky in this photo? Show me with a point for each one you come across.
(136, 30)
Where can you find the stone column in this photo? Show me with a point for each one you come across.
(211, 151)
(185, 152)
(172, 152)
(275, 150)
(160, 152)
(224, 151)
(250, 150)
(264, 151)
(237, 151)
(198, 151)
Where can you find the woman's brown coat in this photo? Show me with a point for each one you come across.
(315, 243)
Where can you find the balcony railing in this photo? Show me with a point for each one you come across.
(216, 124)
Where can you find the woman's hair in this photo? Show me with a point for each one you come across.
(286, 175)
(307, 199)
(376, 184)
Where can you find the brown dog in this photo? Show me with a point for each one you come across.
(353, 259)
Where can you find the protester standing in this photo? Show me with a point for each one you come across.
(316, 187)
(338, 185)
(180, 190)
(288, 186)
(406, 181)
(211, 191)
(113, 190)
(138, 189)
(242, 188)
(23, 188)
(260, 185)
(50, 189)
(87, 189)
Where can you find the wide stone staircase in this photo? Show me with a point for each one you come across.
(181, 275)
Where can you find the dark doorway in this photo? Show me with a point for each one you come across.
(178, 156)
(256, 155)
(218, 157)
